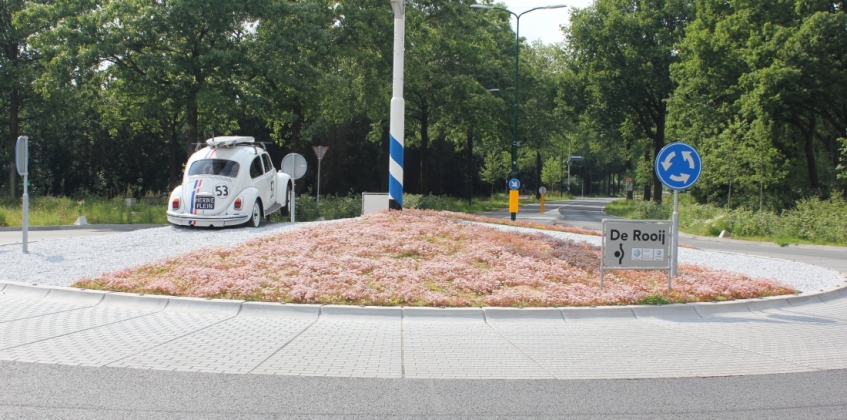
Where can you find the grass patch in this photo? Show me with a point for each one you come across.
(811, 221)
(343, 207)
(52, 211)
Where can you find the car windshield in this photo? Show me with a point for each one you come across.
(221, 167)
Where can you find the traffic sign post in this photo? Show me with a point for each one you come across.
(514, 186)
(320, 152)
(542, 191)
(678, 166)
(22, 163)
(294, 164)
(634, 245)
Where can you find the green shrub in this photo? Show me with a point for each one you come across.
(653, 300)
(811, 220)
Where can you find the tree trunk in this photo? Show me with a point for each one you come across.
(658, 144)
(297, 127)
(191, 119)
(424, 145)
(646, 196)
(13, 138)
(174, 166)
(809, 148)
(537, 174)
(470, 165)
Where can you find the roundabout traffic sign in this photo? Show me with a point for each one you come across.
(678, 166)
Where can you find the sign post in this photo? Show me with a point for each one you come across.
(514, 186)
(635, 245)
(294, 164)
(320, 152)
(21, 161)
(678, 166)
(542, 191)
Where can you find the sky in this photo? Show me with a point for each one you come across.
(543, 24)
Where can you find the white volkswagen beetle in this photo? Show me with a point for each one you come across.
(229, 182)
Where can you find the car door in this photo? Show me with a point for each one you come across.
(260, 180)
(270, 173)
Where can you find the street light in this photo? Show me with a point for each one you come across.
(517, 52)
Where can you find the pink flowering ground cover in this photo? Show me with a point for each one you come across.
(422, 258)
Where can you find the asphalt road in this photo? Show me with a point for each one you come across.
(55, 391)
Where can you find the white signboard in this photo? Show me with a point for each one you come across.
(372, 202)
(635, 245)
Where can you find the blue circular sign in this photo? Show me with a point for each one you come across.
(678, 166)
(514, 184)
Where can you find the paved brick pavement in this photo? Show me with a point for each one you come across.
(58, 326)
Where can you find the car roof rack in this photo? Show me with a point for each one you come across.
(229, 142)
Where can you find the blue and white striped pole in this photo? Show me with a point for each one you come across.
(398, 109)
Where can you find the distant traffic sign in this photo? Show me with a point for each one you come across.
(542, 190)
(514, 184)
(21, 152)
(320, 151)
(575, 158)
(678, 166)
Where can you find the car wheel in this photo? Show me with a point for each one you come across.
(256, 216)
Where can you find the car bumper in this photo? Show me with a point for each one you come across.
(207, 221)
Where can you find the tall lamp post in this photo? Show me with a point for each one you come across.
(517, 52)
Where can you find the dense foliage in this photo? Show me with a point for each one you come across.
(115, 94)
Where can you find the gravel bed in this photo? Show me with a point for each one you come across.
(62, 262)
(803, 277)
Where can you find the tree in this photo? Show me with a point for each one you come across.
(621, 52)
(495, 168)
(764, 81)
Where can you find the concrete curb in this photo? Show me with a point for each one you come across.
(123, 227)
(150, 303)
(595, 313)
(74, 296)
(675, 311)
(204, 306)
(279, 310)
(155, 303)
(361, 313)
(426, 314)
(522, 314)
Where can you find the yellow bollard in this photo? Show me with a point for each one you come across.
(542, 203)
(513, 201)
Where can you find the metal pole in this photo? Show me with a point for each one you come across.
(22, 163)
(398, 107)
(293, 196)
(675, 236)
(515, 127)
(292, 199)
(25, 224)
(319, 187)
